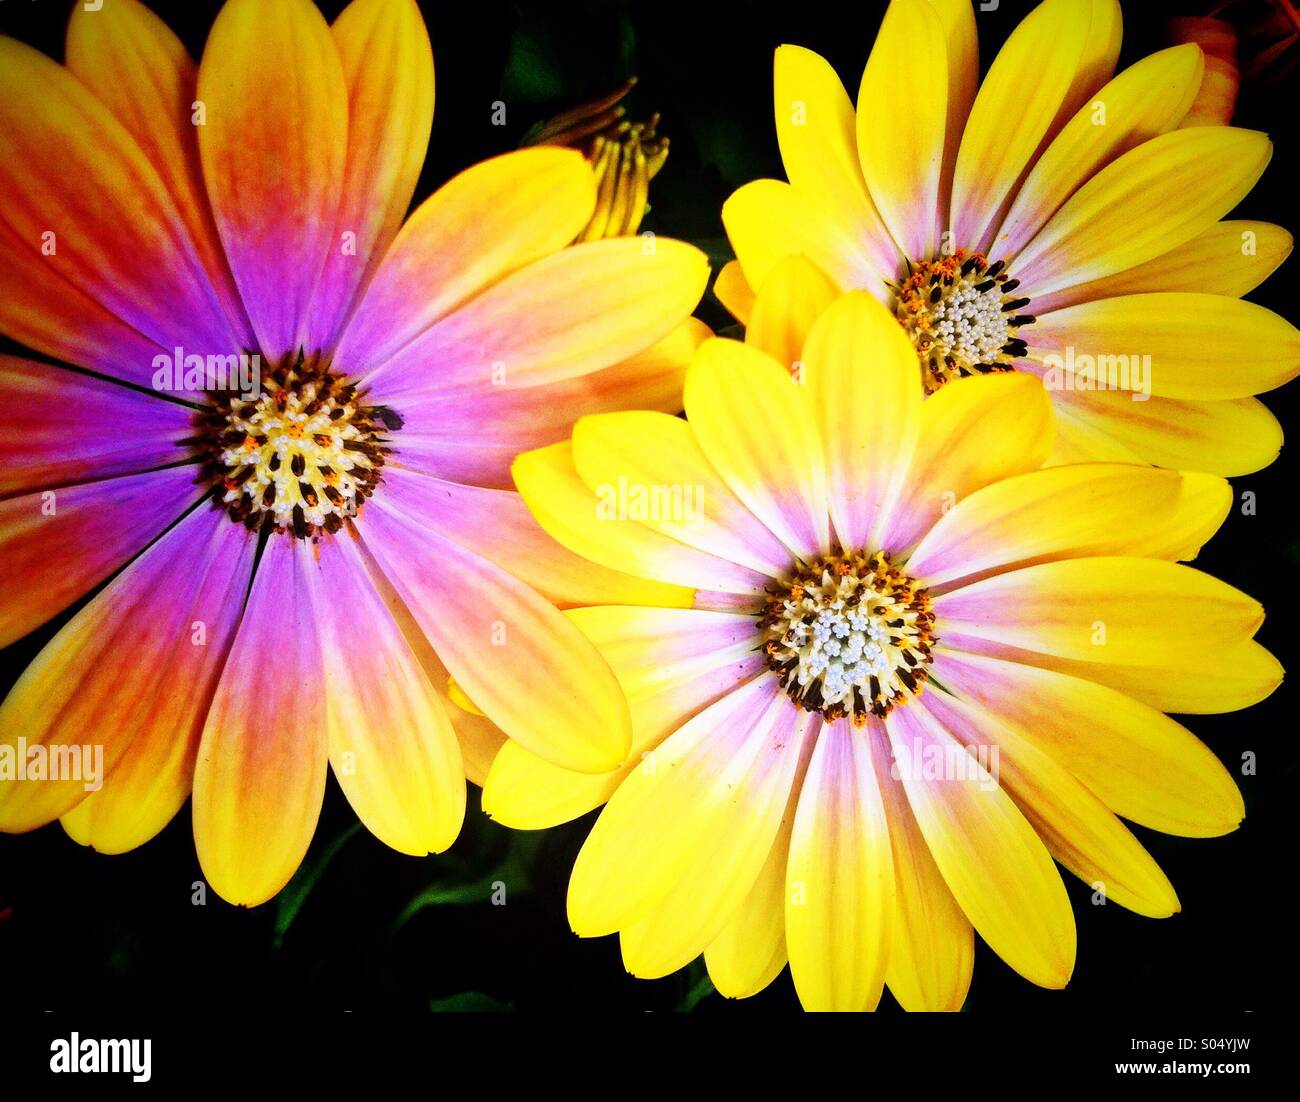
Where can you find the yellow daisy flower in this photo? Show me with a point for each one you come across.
(1052, 220)
(918, 669)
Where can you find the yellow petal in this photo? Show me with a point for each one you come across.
(840, 879)
(492, 219)
(1028, 85)
(997, 868)
(565, 316)
(1141, 764)
(753, 421)
(516, 655)
(1060, 512)
(1106, 609)
(1100, 52)
(1224, 680)
(785, 308)
(497, 525)
(768, 220)
(749, 953)
(1147, 99)
(958, 20)
(1079, 441)
(815, 130)
(656, 463)
(1202, 507)
(678, 808)
(726, 863)
(1143, 204)
(1077, 828)
(973, 432)
(480, 739)
(902, 123)
(734, 291)
(866, 391)
(472, 436)
(932, 944)
(1231, 437)
(458, 696)
(258, 785)
(1206, 347)
(596, 528)
(1230, 258)
(671, 663)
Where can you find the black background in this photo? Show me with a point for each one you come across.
(82, 929)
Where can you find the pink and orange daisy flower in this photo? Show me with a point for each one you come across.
(295, 575)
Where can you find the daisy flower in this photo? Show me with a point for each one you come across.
(300, 575)
(920, 670)
(624, 155)
(1051, 220)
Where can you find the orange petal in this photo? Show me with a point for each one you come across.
(497, 525)
(391, 744)
(388, 66)
(567, 315)
(473, 436)
(130, 678)
(173, 618)
(82, 197)
(142, 72)
(260, 777)
(273, 147)
(57, 544)
(513, 653)
(492, 219)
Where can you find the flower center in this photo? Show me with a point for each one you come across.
(300, 456)
(849, 635)
(960, 315)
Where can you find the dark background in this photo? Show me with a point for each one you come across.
(362, 926)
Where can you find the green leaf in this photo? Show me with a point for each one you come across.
(512, 873)
(468, 1002)
(699, 987)
(294, 894)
